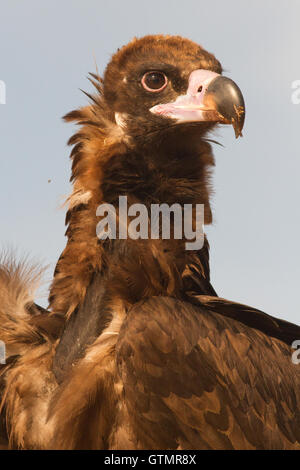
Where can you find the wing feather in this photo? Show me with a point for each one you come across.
(194, 379)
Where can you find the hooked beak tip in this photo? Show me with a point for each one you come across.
(229, 102)
(238, 120)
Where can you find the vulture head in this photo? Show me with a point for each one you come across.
(161, 82)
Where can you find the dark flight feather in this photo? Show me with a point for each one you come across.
(206, 381)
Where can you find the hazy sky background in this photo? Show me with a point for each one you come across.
(47, 48)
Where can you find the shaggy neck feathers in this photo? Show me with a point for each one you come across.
(171, 166)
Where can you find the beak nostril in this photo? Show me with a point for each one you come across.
(200, 89)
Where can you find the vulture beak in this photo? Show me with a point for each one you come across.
(209, 97)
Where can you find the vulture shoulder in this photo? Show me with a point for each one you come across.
(196, 379)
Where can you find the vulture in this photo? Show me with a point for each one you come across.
(136, 350)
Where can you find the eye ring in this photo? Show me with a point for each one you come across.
(154, 81)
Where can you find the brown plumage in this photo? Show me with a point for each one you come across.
(137, 351)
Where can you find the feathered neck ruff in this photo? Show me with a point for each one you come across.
(171, 166)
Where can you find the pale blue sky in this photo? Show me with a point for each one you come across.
(47, 49)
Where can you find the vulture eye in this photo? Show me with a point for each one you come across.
(154, 81)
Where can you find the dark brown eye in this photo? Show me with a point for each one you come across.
(154, 81)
